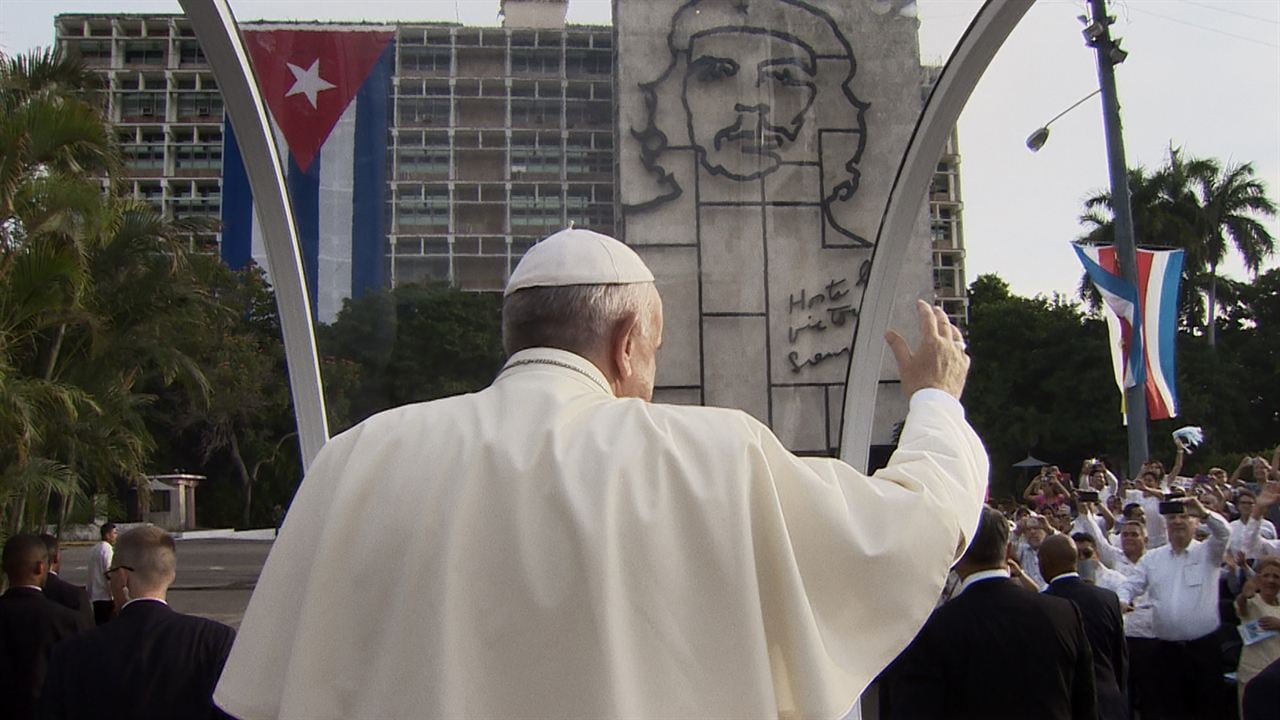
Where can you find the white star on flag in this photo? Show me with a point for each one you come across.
(308, 82)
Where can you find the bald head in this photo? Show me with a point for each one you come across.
(26, 560)
(1057, 555)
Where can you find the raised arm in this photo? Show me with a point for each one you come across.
(1178, 457)
(1033, 487)
(1219, 531)
(1254, 544)
(1245, 462)
(1107, 552)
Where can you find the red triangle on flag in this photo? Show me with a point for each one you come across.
(308, 78)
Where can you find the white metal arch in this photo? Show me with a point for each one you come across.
(215, 28)
(988, 31)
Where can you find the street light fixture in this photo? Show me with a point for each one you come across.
(1037, 139)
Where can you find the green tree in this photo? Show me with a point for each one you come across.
(415, 343)
(1041, 381)
(246, 422)
(94, 301)
(1232, 201)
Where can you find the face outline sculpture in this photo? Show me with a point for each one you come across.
(747, 93)
(780, 58)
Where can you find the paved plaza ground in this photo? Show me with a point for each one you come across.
(215, 577)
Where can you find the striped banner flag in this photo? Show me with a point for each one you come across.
(1142, 321)
(327, 92)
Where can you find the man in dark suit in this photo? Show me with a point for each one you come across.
(1103, 623)
(149, 661)
(60, 591)
(1262, 695)
(29, 626)
(996, 649)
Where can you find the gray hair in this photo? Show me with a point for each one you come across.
(152, 554)
(576, 318)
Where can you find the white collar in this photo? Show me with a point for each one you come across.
(1064, 576)
(143, 599)
(979, 577)
(555, 359)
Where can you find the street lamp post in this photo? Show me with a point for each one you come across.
(1098, 36)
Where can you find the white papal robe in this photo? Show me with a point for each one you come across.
(542, 549)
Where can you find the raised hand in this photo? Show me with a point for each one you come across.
(939, 362)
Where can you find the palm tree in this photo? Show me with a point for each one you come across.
(94, 297)
(1232, 202)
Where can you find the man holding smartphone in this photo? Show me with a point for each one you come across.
(1181, 582)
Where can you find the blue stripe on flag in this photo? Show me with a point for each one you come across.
(304, 192)
(237, 203)
(1106, 282)
(368, 235)
(1168, 315)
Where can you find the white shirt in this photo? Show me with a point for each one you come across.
(1157, 534)
(100, 557)
(1183, 586)
(544, 549)
(1238, 535)
(1115, 570)
(1256, 544)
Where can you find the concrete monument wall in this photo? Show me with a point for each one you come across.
(758, 141)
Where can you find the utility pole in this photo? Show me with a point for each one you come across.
(1098, 36)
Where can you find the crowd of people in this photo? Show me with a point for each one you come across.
(1175, 583)
(66, 655)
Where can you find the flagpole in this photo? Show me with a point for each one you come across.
(1109, 54)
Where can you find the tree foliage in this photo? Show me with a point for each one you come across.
(1042, 382)
(92, 295)
(410, 344)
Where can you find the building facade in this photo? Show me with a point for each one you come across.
(500, 136)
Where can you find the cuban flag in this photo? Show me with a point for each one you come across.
(1142, 321)
(327, 92)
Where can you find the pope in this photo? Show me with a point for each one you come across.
(556, 545)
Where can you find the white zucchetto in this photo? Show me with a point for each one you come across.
(578, 257)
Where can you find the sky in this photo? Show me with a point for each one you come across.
(1201, 75)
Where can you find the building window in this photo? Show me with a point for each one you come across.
(426, 59)
(423, 111)
(144, 53)
(143, 157)
(142, 105)
(200, 104)
(535, 62)
(423, 206)
(587, 63)
(159, 501)
(95, 52)
(206, 156)
(530, 210)
(535, 160)
(534, 112)
(423, 159)
(189, 53)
